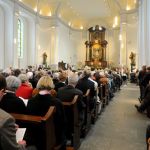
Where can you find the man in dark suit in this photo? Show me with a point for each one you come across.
(140, 78)
(68, 92)
(84, 83)
(146, 78)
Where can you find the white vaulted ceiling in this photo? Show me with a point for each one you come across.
(83, 13)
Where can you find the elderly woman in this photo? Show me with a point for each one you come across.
(39, 105)
(25, 90)
(10, 102)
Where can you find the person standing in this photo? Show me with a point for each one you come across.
(140, 78)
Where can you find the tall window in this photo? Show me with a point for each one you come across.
(20, 38)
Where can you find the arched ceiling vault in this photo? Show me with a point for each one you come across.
(82, 14)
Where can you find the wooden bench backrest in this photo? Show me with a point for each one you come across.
(72, 114)
(45, 122)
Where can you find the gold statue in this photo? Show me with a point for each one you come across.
(132, 58)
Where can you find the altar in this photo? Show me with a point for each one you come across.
(96, 48)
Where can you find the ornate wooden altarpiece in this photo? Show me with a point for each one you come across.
(96, 48)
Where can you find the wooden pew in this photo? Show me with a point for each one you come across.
(73, 124)
(87, 114)
(44, 123)
(97, 107)
(104, 94)
(101, 95)
(107, 94)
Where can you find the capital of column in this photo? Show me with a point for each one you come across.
(123, 17)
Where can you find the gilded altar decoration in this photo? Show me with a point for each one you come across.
(96, 48)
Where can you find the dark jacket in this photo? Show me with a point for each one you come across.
(59, 85)
(146, 79)
(39, 106)
(84, 84)
(12, 104)
(141, 76)
(68, 92)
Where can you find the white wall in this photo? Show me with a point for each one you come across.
(113, 47)
(132, 42)
(60, 43)
(71, 47)
(9, 13)
(144, 33)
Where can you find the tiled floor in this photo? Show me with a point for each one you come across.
(120, 127)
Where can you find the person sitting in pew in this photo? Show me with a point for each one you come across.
(62, 80)
(8, 132)
(10, 102)
(38, 106)
(84, 84)
(69, 91)
(66, 94)
(25, 89)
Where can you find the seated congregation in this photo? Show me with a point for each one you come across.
(57, 108)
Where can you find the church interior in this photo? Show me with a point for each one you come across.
(75, 74)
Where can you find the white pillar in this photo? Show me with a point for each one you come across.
(144, 33)
(123, 41)
(2, 38)
(15, 37)
(54, 46)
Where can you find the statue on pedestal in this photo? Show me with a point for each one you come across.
(44, 58)
(132, 58)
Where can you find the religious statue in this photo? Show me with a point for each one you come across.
(44, 58)
(132, 58)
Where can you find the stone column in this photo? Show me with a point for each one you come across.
(144, 33)
(123, 40)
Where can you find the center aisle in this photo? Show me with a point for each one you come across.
(120, 126)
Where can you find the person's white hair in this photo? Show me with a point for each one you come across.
(101, 73)
(29, 75)
(13, 83)
(55, 75)
(7, 70)
(23, 78)
(73, 79)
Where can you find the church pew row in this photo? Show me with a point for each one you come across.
(73, 123)
(104, 94)
(47, 141)
(46, 123)
(87, 114)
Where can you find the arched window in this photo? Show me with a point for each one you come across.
(20, 38)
